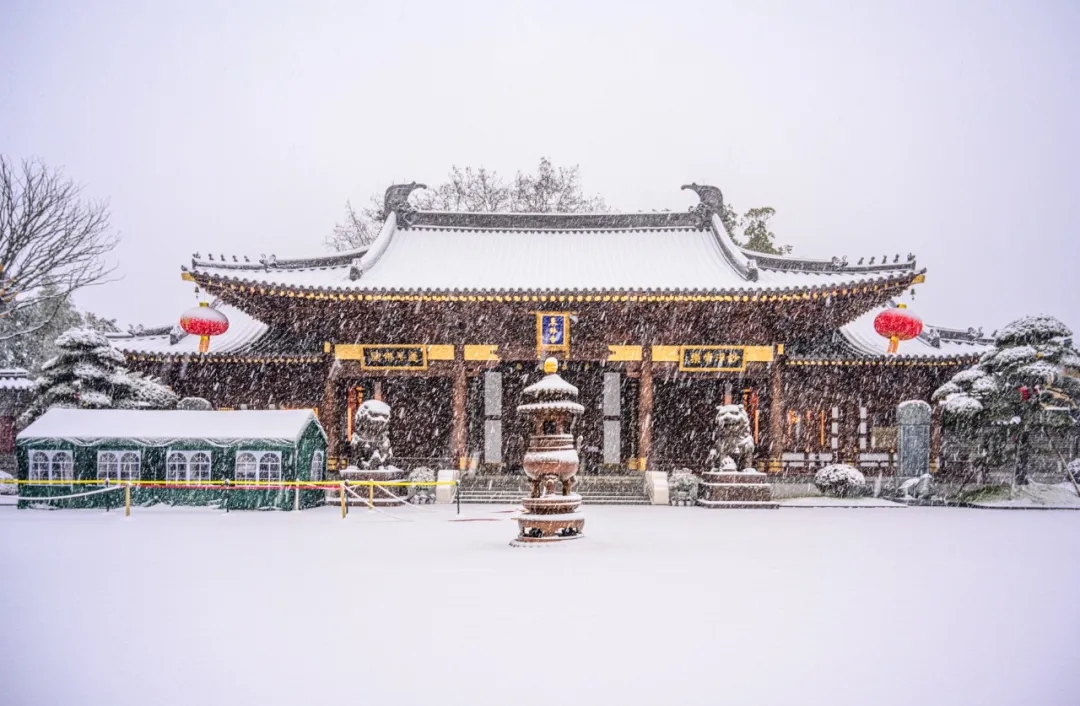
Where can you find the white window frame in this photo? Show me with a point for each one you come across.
(51, 454)
(120, 472)
(108, 476)
(188, 456)
(317, 470)
(236, 465)
(260, 474)
(276, 457)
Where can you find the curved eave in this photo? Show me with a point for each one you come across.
(223, 358)
(892, 361)
(745, 294)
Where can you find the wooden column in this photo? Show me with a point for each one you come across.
(776, 414)
(458, 432)
(645, 407)
(328, 411)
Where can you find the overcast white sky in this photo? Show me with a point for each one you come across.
(944, 129)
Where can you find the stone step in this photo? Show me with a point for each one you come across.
(738, 505)
(506, 498)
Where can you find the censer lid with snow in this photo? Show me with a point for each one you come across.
(897, 324)
(551, 393)
(204, 321)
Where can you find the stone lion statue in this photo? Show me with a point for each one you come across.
(732, 437)
(369, 447)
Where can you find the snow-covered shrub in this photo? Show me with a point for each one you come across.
(196, 404)
(1032, 329)
(682, 487)
(1073, 469)
(421, 494)
(962, 406)
(6, 486)
(840, 480)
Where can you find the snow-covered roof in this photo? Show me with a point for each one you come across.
(424, 251)
(285, 426)
(244, 332)
(15, 379)
(934, 342)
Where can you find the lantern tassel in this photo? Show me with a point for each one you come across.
(894, 344)
(204, 344)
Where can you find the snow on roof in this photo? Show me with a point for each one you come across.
(15, 379)
(284, 426)
(439, 258)
(861, 335)
(244, 331)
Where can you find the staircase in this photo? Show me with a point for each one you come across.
(508, 489)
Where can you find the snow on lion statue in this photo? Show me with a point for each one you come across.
(732, 437)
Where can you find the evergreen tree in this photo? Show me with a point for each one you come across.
(1028, 385)
(88, 373)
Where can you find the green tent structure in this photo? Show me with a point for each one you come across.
(232, 454)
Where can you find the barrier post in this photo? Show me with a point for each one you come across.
(127, 500)
(457, 496)
(108, 500)
(228, 487)
(296, 496)
(343, 500)
(371, 495)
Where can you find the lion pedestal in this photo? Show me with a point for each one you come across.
(729, 483)
(551, 462)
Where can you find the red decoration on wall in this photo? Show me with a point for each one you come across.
(897, 325)
(204, 322)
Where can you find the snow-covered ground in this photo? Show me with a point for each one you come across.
(655, 606)
(826, 501)
(1036, 495)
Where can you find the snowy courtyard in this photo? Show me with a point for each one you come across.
(655, 605)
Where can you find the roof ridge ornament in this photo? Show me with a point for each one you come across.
(712, 201)
(396, 201)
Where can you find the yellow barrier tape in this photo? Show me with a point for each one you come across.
(222, 483)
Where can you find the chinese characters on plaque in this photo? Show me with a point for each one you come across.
(394, 358)
(552, 332)
(712, 358)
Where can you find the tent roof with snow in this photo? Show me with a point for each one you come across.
(157, 426)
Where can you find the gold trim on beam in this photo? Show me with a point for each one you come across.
(440, 351)
(759, 354)
(919, 279)
(481, 352)
(665, 354)
(187, 276)
(618, 354)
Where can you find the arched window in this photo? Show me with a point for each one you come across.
(108, 466)
(39, 465)
(176, 467)
(318, 462)
(247, 466)
(270, 466)
(199, 466)
(62, 466)
(129, 466)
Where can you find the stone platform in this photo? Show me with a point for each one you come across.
(734, 490)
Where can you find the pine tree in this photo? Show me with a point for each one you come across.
(88, 373)
(1028, 385)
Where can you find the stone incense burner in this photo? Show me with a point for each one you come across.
(551, 461)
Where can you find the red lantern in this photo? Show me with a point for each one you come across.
(204, 322)
(897, 325)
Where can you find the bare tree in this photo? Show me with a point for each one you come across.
(550, 190)
(52, 243)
